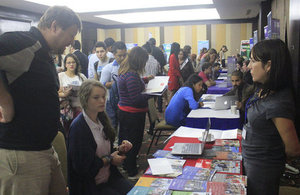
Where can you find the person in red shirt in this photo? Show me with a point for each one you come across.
(204, 74)
(175, 80)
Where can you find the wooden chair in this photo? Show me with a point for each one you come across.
(59, 145)
(157, 128)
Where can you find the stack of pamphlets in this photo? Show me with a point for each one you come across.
(224, 166)
(177, 166)
(150, 185)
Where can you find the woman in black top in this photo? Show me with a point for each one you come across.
(269, 134)
(186, 67)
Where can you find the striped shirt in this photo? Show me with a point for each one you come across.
(130, 87)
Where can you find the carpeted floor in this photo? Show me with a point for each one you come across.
(142, 157)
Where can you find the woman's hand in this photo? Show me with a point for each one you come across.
(117, 159)
(201, 104)
(125, 147)
(67, 91)
(150, 77)
(64, 92)
(238, 105)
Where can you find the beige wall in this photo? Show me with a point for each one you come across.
(221, 34)
(113, 33)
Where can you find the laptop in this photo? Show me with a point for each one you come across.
(224, 102)
(192, 148)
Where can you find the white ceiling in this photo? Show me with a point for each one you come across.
(227, 9)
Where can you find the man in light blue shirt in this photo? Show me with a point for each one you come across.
(109, 77)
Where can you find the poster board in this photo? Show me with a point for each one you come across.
(201, 44)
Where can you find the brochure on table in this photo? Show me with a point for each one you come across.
(160, 166)
(177, 166)
(157, 85)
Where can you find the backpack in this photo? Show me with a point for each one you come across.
(114, 95)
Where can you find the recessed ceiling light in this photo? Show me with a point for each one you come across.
(99, 6)
(164, 16)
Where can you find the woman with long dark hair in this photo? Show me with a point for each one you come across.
(186, 67)
(210, 56)
(269, 134)
(70, 80)
(184, 100)
(175, 78)
(222, 55)
(133, 105)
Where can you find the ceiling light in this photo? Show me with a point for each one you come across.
(99, 6)
(164, 16)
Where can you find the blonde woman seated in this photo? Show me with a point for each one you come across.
(92, 161)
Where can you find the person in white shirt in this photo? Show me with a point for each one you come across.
(70, 80)
(103, 60)
(152, 66)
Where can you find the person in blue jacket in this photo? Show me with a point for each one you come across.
(184, 100)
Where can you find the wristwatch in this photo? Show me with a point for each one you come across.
(108, 158)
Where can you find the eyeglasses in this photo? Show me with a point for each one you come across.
(71, 62)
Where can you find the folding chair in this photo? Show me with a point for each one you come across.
(157, 128)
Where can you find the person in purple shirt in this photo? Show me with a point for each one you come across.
(133, 105)
(184, 100)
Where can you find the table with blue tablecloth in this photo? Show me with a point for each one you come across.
(220, 119)
(223, 70)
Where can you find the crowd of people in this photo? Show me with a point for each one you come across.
(97, 102)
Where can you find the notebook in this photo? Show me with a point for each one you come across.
(224, 102)
(192, 148)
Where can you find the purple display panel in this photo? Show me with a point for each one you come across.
(266, 32)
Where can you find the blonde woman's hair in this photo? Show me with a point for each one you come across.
(86, 90)
(84, 95)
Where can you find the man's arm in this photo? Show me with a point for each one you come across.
(105, 78)
(6, 103)
(92, 61)
(210, 83)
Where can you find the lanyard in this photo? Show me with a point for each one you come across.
(250, 101)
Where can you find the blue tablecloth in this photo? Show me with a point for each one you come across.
(217, 89)
(216, 123)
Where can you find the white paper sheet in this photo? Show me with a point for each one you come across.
(210, 113)
(160, 166)
(210, 105)
(197, 133)
(210, 97)
(157, 85)
(222, 78)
